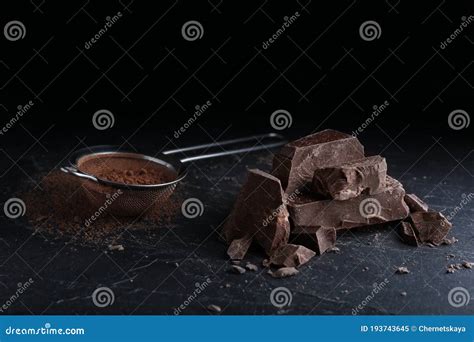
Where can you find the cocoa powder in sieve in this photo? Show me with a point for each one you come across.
(59, 207)
(126, 170)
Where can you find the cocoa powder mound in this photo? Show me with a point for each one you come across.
(126, 170)
(59, 208)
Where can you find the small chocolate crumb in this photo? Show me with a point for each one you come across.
(116, 248)
(251, 267)
(468, 264)
(284, 272)
(449, 241)
(402, 270)
(214, 308)
(237, 269)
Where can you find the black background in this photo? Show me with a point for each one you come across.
(151, 79)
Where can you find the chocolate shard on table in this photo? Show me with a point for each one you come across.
(239, 247)
(320, 241)
(407, 233)
(415, 203)
(294, 165)
(291, 255)
(349, 180)
(430, 227)
(309, 214)
(259, 213)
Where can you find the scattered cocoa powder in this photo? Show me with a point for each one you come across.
(59, 207)
(126, 170)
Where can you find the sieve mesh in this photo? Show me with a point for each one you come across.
(125, 199)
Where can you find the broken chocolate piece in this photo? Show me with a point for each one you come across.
(407, 234)
(294, 165)
(415, 203)
(320, 241)
(430, 227)
(309, 215)
(349, 180)
(284, 272)
(291, 255)
(259, 212)
(238, 248)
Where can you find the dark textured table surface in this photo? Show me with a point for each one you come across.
(157, 272)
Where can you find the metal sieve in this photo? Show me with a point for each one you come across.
(132, 200)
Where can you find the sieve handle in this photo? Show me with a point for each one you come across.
(76, 172)
(280, 140)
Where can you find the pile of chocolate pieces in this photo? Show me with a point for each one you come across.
(321, 184)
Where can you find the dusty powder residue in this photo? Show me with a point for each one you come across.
(61, 208)
(127, 170)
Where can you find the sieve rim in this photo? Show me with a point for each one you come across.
(181, 170)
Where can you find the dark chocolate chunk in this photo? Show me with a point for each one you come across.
(407, 234)
(430, 227)
(259, 212)
(349, 180)
(291, 255)
(320, 241)
(415, 203)
(284, 272)
(294, 165)
(238, 248)
(308, 215)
